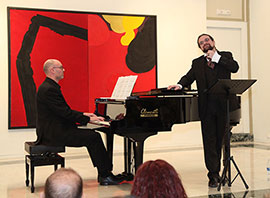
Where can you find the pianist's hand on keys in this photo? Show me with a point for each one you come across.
(94, 117)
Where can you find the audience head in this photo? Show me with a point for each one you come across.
(63, 183)
(157, 179)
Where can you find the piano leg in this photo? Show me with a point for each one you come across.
(138, 154)
(138, 145)
(127, 155)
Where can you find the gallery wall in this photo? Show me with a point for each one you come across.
(179, 22)
(260, 69)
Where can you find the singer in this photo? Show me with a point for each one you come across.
(206, 70)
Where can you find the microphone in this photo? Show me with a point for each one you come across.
(207, 53)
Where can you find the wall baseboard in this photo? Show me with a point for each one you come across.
(242, 137)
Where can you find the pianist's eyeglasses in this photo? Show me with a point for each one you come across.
(61, 67)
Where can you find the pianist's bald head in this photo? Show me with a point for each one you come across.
(50, 63)
(54, 69)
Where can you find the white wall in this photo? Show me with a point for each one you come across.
(179, 22)
(260, 68)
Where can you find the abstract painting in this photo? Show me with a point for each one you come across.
(94, 48)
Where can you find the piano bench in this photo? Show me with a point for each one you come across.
(41, 155)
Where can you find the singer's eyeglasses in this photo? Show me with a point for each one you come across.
(204, 41)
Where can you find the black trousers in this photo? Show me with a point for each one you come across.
(213, 129)
(95, 146)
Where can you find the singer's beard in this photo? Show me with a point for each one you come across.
(207, 47)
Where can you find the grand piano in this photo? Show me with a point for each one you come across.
(147, 114)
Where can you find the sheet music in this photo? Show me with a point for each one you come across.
(123, 87)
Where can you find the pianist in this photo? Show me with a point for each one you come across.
(56, 123)
(205, 70)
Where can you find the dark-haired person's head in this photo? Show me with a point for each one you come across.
(63, 183)
(206, 42)
(157, 179)
(204, 34)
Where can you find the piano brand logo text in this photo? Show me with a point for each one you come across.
(145, 113)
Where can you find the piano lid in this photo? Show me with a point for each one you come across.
(164, 91)
(109, 100)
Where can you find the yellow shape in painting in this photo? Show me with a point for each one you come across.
(116, 23)
(130, 23)
(124, 24)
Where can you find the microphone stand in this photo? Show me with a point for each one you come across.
(228, 87)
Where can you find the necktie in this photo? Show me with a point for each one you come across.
(211, 64)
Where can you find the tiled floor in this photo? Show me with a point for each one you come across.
(250, 158)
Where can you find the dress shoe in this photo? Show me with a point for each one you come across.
(213, 182)
(109, 180)
(125, 176)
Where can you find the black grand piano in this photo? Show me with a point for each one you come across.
(146, 114)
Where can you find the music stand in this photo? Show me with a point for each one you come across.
(228, 87)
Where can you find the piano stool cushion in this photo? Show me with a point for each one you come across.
(32, 148)
(41, 155)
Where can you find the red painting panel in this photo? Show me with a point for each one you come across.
(71, 51)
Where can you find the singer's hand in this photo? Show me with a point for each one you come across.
(210, 54)
(174, 87)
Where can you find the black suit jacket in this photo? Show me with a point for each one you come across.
(55, 119)
(225, 67)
